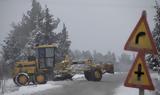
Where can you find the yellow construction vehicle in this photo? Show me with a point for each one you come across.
(92, 71)
(36, 69)
(40, 68)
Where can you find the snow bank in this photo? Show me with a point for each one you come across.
(78, 77)
(154, 75)
(130, 91)
(81, 76)
(134, 91)
(120, 72)
(8, 86)
(157, 85)
(114, 73)
(28, 90)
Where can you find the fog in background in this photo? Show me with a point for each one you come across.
(101, 25)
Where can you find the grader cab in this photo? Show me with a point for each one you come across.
(36, 69)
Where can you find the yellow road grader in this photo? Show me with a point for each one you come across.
(42, 67)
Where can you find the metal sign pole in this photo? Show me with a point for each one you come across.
(2, 81)
(141, 91)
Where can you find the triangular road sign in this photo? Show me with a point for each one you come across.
(138, 76)
(141, 37)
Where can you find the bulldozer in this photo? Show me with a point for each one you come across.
(42, 67)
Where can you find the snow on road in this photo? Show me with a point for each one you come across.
(12, 89)
(134, 91)
(28, 90)
(8, 86)
(130, 91)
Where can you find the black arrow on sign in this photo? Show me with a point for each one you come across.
(140, 34)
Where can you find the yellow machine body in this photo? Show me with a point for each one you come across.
(25, 66)
(37, 68)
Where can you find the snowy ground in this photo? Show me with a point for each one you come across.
(28, 90)
(8, 86)
(157, 84)
(132, 91)
(12, 89)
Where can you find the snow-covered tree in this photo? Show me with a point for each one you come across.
(98, 57)
(76, 54)
(44, 31)
(63, 44)
(153, 60)
(86, 54)
(36, 27)
(110, 58)
(125, 59)
(33, 15)
(18, 36)
(124, 63)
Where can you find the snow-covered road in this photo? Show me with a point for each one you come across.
(110, 85)
(12, 89)
(29, 90)
(121, 90)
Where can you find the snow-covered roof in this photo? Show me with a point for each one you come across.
(47, 46)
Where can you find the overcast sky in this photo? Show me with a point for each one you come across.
(101, 25)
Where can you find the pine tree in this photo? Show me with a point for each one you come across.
(18, 36)
(87, 55)
(98, 57)
(152, 60)
(36, 27)
(125, 59)
(76, 54)
(44, 32)
(110, 58)
(63, 44)
(33, 15)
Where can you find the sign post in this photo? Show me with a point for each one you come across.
(141, 91)
(140, 40)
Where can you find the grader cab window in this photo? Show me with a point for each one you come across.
(46, 57)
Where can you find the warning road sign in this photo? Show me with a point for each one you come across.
(141, 37)
(138, 76)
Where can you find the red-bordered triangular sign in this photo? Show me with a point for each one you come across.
(141, 37)
(138, 76)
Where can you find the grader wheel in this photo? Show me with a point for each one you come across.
(40, 79)
(15, 81)
(22, 79)
(93, 75)
(87, 75)
(97, 75)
